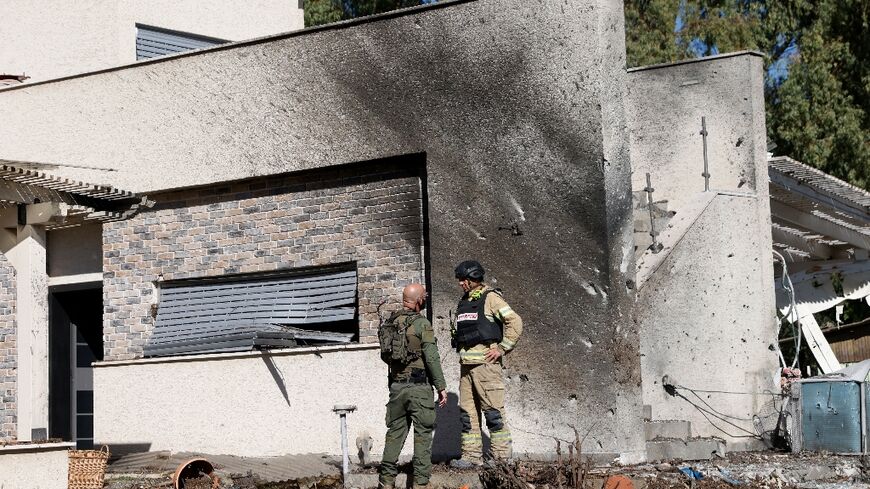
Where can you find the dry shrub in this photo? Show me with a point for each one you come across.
(572, 473)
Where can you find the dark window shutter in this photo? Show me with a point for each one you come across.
(241, 314)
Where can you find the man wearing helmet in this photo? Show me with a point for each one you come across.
(486, 329)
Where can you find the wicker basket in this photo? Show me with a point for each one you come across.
(87, 468)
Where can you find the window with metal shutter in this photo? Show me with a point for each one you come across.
(245, 313)
(152, 42)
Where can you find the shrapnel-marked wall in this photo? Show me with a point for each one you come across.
(368, 214)
(707, 314)
(8, 351)
(518, 107)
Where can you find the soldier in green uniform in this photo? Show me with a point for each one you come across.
(409, 348)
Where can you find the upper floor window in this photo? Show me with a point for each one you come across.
(152, 42)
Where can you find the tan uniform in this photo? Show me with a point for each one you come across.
(481, 385)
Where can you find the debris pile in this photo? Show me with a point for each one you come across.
(572, 472)
(576, 474)
(201, 482)
(321, 482)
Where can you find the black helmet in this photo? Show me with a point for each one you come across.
(470, 269)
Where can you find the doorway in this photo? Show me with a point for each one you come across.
(75, 342)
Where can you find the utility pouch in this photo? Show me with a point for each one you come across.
(418, 376)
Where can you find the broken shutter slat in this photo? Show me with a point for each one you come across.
(291, 334)
(194, 335)
(191, 326)
(275, 316)
(252, 305)
(278, 296)
(242, 314)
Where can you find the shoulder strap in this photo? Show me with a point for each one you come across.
(394, 316)
(400, 313)
(415, 322)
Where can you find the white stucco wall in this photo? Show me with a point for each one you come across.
(666, 104)
(28, 256)
(707, 323)
(244, 404)
(54, 38)
(707, 314)
(44, 466)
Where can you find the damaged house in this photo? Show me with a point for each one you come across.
(279, 192)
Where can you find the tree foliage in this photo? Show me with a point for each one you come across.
(319, 12)
(817, 66)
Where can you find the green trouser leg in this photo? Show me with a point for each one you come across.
(422, 410)
(409, 403)
(397, 430)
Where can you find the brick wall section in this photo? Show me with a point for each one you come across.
(368, 214)
(8, 351)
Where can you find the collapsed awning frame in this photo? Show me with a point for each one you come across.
(74, 202)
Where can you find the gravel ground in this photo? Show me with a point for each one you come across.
(751, 470)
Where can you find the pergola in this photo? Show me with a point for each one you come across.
(55, 202)
(821, 226)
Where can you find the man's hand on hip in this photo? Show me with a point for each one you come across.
(493, 354)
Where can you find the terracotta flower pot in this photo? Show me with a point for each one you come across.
(192, 469)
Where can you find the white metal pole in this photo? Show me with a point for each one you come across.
(345, 461)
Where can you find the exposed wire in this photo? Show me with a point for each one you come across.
(709, 411)
(788, 286)
(718, 412)
(705, 413)
(765, 393)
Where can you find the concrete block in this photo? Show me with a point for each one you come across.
(694, 449)
(670, 429)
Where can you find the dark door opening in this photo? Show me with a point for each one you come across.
(75, 341)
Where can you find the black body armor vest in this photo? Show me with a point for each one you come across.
(472, 325)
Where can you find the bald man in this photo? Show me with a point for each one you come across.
(411, 379)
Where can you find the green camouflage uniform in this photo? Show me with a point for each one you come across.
(411, 401)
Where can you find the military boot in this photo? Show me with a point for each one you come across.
(382, 485)
(427, 485)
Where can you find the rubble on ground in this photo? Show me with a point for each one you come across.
(749, 470)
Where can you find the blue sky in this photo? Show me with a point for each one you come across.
(777, 72)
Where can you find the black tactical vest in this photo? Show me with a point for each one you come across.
(472, 325)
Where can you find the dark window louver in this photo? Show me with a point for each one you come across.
(242, 315)
(152, 42)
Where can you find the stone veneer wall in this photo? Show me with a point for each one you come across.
(8, 351)
(370, 214)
